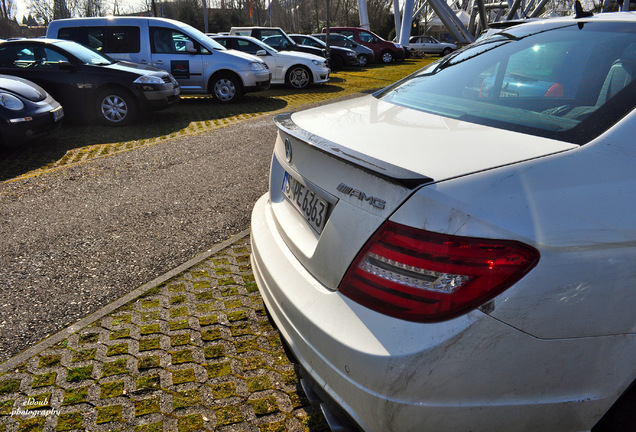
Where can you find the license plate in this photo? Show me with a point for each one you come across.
(307, 202)
(58, 114)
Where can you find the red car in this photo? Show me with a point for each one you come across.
(384, 50)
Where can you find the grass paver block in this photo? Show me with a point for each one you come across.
(79, 373)
(109, 414)
(147, 406)
(69, 421)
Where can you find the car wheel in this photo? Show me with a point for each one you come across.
(446, 51)
(299, 77)
(225, 88)
(116, 107)
(363, 60)
(387, 57)
(337, 62)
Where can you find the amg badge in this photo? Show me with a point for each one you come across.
(348, 190)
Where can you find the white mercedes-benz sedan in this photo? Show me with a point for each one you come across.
(457, 252)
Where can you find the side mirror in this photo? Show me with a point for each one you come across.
(190, 47)
(65, 65)
(261, 53)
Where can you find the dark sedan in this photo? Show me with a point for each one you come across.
(27, 111)
(86, 83)
(339, 56)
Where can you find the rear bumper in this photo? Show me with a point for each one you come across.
(471, 373)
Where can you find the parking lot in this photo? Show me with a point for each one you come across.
(183, 349)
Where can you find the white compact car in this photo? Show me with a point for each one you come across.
(429, 44)
(294, 68)
(456, 252)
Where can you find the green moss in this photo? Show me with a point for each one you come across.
(236, 316)
(122, 319)
(266, 326)
(185, 399)
(42, 400)
(177, 299)
(75, 396)
(149, 382)
(6, 407)
(147, 406)
(220, 261)
(201, 285)
(47, 361)
(148, 362)
(117, 349)
(150, 316)
(114, 368)
(313, 421)
(211, 334)
(298, 399)
(242, 258)
(214, 351)
(240, 250)
(248, 278)
(120, 334)
(44, 380)
(205, 295)
(184, 356)
(241, 329)
(88, 338)
(251, 287)
(235, 303)
(179, 325)
(222, 271)
(246, 345)
(108, 414)
(180, 339)
(69, 421)
(151, 427)
(266, 405)
(208, 320)
(206, 308)
(226, 281)
(223, 390)
(274, 341)
(258, 383)
(183, 376)
(149, 329)
(199, 274)
(178, 312)
(218, 369)
(193, 422)
(278, 426)
(290, 377)
(153, 291)
(84, 355)
(31, 425)
(149, 344)
(111, 389)
(177, 287)
(153, 303)
(79, 373)
(228, 415)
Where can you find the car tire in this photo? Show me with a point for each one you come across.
(225, 88)
(363, 60)
(446, 51)
(299, 77)
(116, 107)
(387, 57)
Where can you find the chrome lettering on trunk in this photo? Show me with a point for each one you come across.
(374, 201)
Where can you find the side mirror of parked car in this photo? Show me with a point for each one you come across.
(190, 47)
(261, 53)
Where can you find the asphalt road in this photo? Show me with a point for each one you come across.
(74, 239)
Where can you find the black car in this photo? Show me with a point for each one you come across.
(86, 83)
(339, 56)
(27, 111)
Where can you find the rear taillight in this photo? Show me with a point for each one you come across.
(423, 276)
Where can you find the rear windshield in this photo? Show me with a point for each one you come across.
(567, 81)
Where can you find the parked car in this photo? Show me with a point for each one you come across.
(338, 57)
(277, 39)
(87, 83)
(430, 45)
(384, 51)
(296, 69)
(200, 65)
(365, 55)
(437, 259)
(27, 111)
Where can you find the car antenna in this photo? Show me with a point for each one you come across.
(580, 13)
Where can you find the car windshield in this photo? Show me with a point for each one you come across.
(84, 54)
(566, 81)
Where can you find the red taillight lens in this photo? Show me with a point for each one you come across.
(423, 276)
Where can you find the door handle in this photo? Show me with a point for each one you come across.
(159, 62)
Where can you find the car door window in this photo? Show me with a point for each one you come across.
(367, 37)
(170, 41)
(247, 46)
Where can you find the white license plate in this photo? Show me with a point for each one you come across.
(314, 208)
(58, 114)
